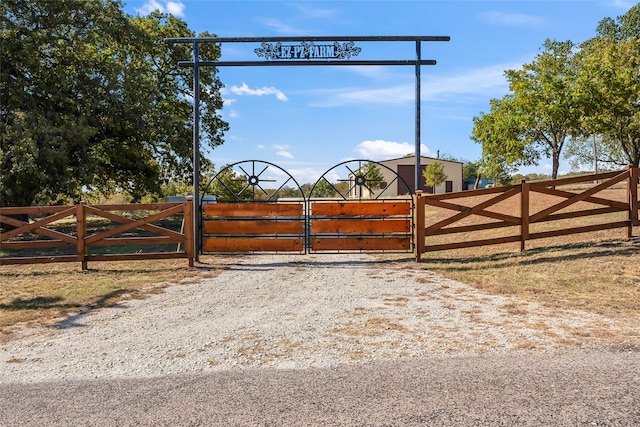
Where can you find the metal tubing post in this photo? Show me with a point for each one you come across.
(417, 136)
(196, 152)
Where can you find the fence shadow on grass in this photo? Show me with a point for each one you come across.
(36, 303)
(543, 255)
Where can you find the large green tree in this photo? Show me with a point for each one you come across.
(538, 117)
(609, 91)
(93, 99)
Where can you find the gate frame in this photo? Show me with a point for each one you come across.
(251, 180)
(361, 181)
(376, 231)
(196, 64)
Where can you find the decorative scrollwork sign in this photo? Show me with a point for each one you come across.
(307, 50)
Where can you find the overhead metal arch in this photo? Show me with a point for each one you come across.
(308, 59)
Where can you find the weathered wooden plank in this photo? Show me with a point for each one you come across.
(152, 240)
(253, 209)
(32, 210)
(38, 260)
(470, 228)
(577, 230)
(137, 256)
(33, 244)
(242, 244)
(573, 180)
(361, 244)
(377, 208)
(257, 227)
(471, 243)
(131, 207)
(364, 226)
(579, 214)
(468, 193)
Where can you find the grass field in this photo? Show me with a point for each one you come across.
(597, 272)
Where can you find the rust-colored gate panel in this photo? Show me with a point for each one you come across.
(381, 225)
(254, 227)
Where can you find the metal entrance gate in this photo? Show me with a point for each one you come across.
(358, 213)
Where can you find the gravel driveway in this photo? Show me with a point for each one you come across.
(301, 316)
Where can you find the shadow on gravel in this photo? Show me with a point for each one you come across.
(316, 263)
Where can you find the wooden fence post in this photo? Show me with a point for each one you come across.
(81, 232)
(524, 213)
(632, 197)
(418, 224)
(189, 244)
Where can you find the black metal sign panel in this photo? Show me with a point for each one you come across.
(307, 50)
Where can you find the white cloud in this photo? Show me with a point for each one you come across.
(313, 12)
(165, 6)
(281, 27)
(510, 19)
(382, 150)
(246, 90)
(260, 147)
(283, 153)
(485, 82)
(175, 8)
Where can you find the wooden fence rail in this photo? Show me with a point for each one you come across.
(532, 221)
(73, 245)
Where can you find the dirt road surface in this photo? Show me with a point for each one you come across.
(592, 388)
(322, 341)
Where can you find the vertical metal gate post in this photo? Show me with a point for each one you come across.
(196, 153)
(417, 136)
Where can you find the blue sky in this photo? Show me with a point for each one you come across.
(307, 119)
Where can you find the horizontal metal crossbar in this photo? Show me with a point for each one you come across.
(307, 39)
(281, 63)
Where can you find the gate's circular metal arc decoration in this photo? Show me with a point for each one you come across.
(243, 182)
(364, 181)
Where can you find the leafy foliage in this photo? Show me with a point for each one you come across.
(537, 117)
(610, 90)
(93, 99)
(434, 174)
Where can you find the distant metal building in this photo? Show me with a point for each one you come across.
(405, 168)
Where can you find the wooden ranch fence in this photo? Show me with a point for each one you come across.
(76, 239)
(544, 210)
